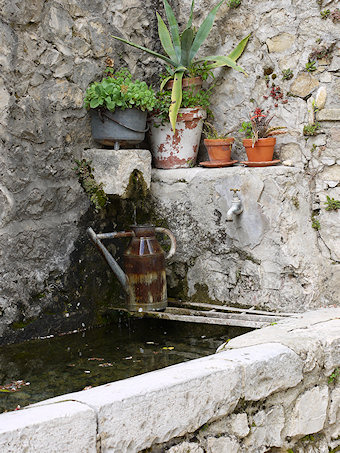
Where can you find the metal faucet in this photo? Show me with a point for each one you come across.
(236, 206)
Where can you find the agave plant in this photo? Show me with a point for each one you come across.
(181, 49)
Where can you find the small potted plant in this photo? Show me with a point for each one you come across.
(218, 145)
(259, 142)
(181, 49)
(179, 148)
(118, 107)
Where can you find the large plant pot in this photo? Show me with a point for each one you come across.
(219, 149)
(188, 83)
(179, 149)
(262, 151)
(124, 127)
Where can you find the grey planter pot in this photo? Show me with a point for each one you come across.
(121, 127)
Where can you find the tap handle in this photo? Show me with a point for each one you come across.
(234, 190)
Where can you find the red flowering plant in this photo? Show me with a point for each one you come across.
(258, 126)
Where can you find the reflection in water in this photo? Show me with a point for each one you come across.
(72, 362)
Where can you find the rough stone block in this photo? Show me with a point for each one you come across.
(280, 43)
(320, 98)
(266, 429)
(328, 115)
(222, 445)
(267, 369)
(186, 447)
(113, 168)
(63, 427)
(303, 85)
(239, 424)
(309, 414)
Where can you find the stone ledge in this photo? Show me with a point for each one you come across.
(64, 427)
(113, 168)
(314, 336)
(187, 174)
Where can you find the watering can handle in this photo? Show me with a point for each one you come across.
(172, 239)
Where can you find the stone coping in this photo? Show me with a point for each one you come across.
(133, 414)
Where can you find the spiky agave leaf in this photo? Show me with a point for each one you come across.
(204, 30)
(176, 97)
(165, 38)
(145, 49)
(237, 52)
(174, 29)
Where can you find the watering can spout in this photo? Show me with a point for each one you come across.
(117, 270)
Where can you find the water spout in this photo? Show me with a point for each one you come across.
(236, 206)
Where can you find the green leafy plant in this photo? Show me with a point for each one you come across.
(325, 13)
(334, 376)
(86, 179)
(315, 223)
(246, 129)
(234, 3)
(332, 204)
(287, 74)
(311, 129)
(259, 126)
(118, 90)
(211, 133)
(310, 66)
(190, 98)
(181, 50)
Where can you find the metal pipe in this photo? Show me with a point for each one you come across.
(115, 234)
(109, 258)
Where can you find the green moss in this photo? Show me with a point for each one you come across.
(16, 325)
(137, 186)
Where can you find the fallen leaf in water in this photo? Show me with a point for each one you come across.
(13, 386)
(169, 348)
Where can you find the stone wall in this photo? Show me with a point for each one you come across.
(284, 250)
(50, 51)
(271, 390)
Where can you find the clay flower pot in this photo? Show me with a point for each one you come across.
(262, 151)
(188, 83)
(219, 149)
(179, 149)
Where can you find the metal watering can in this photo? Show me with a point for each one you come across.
(144, 279)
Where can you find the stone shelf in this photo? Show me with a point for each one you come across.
(113, 168)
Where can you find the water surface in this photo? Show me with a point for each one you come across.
(73, 362)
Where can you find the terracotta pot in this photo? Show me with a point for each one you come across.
(219, 149)
(262, 151)
(188, 83)
(179, 149)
